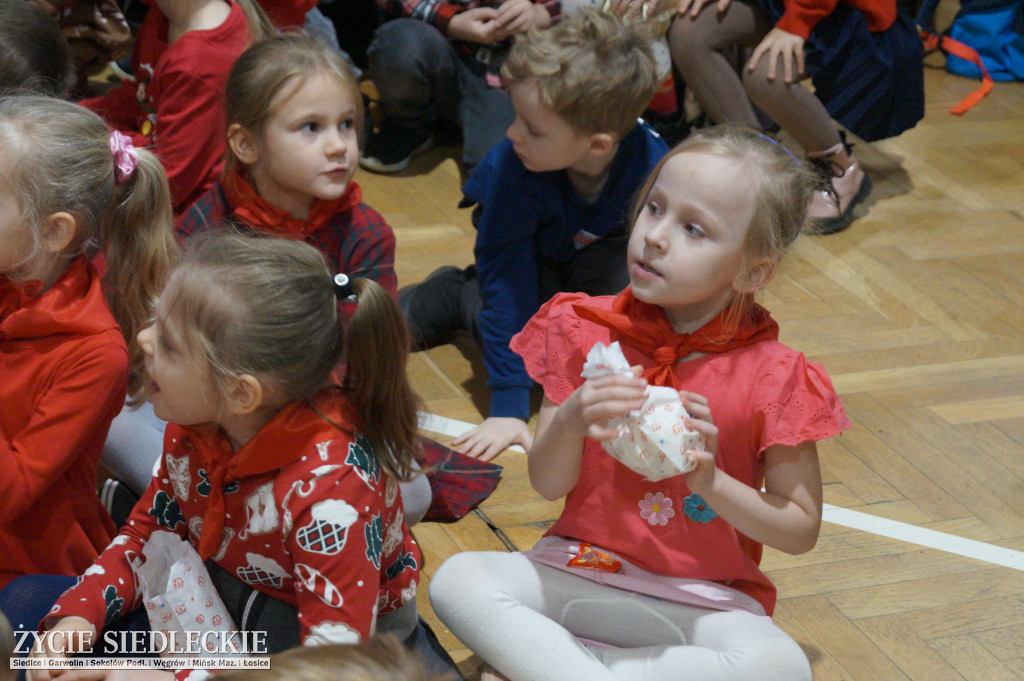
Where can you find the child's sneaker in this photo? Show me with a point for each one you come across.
(831, 208)
(390, 149)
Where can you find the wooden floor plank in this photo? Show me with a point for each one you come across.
(905, 647)
(965, 652)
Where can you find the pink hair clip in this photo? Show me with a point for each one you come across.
(126, 158)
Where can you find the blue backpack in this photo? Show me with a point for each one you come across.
(993, 28)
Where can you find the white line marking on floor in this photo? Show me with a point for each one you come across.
(922, 536)
(857, 520)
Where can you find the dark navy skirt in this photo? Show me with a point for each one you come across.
(871, 83)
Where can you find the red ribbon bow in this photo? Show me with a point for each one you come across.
(646, 328)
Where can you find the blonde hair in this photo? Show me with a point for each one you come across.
(267, 68)
(260, 26)
(56, 157)
(590, 69)
(266, 306)
(381, 658)
(781, 190)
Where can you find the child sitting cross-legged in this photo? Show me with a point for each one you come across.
(654, 574)
(553, 200)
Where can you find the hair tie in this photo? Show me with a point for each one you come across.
(126, 158)
(779, 145)
(343, 287)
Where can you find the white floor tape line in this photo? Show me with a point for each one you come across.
(857, 520)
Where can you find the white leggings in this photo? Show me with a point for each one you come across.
(523, 618)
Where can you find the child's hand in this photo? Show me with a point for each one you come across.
(701, 478)
(628, 9)
(599, 399)
(780, 43)
(492, 437)
(695, 6)
(70, 633)
(519, 16)
(477, 25)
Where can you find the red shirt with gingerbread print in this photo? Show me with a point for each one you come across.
(311, 519)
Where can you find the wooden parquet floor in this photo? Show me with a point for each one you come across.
(917, 312)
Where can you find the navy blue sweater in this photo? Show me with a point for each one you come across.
(527, 217)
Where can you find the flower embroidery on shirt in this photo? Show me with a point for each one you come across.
(656, 508)
(697, 510)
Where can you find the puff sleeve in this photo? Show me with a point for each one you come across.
(551, 346)
(797, 403)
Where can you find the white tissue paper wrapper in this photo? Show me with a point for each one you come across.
(653, 440)
(179, 595)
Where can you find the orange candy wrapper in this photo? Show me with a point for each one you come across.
(589, 557)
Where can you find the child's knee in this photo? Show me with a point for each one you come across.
(785, 660)
(460, 579)
(757, 85)
(774, 656)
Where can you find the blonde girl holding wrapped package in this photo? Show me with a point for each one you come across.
(287, 489)
(645, 576)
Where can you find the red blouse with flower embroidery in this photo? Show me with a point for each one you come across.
(761, 394)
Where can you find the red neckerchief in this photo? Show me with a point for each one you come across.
(280, 442)
(260, 214)
(646, 328)
(74, 304)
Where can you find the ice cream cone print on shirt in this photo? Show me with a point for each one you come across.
(327, 532)
(262, 570)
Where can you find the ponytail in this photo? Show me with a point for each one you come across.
(377, 346)
(266, 306)
(57, 157)
(260, 26)
(139, 248)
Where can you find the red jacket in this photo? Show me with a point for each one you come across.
(64, 365)
(176, 105)
(801, 16)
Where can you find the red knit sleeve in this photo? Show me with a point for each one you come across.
(797, 403)
(550, 345)
(801, 16)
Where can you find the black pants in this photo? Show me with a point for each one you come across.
(449, 299)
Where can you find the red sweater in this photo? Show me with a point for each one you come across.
(64, 365)
(801, 16)
(176, 105)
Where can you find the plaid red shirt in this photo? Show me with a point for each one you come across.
(356, 241)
